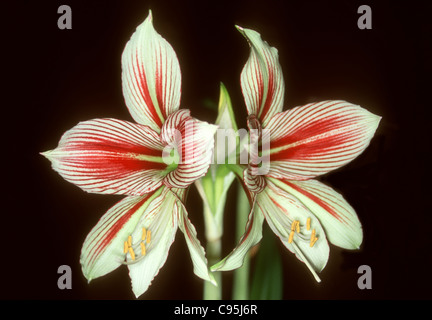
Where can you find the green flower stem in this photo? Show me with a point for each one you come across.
(241, 275)
(213, 250)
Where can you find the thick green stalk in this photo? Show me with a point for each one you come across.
(241, 275)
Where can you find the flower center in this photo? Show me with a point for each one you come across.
(295, 228)
(254, 126)
(130, 248)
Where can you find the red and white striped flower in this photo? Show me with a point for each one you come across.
(305, 142)
(151, 161)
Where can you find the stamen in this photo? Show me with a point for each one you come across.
(148, 236)
(293, 225)
(129, 241)
(308, 224)
(132, 253)
(126, 247)
(298, 226)
(313, 238)
(313, 241)
(143, 249)
(143, 234)
(291, 236)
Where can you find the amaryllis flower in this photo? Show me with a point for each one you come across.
(151, 161)
(305, 142)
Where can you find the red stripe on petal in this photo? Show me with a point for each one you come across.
(144, 90)
(272, 87)
(194, 141)
(151, 77)
(315, 199)
(104, 236)
(314, 139)
(261, 78)
(110, 156)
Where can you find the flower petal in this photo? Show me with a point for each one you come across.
(194, 141)
(282, 211)
(102, 251)
(110, 156)
(319, 137)
(261, 79)
(151, 77)
(251, 237)
(337, 217)
(161, 220)
(196, 250)
(254, 183)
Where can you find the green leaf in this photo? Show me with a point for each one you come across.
(267, 281)
(241, 277)
(213, 187)
(225, 118)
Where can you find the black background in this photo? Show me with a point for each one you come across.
(56, 78)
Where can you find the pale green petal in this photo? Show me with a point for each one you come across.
(197, 252)
(151, 77)
(281, 210)
(161, 220)
(102, 250)
(251, 237)
(261, 79)
(337, 217)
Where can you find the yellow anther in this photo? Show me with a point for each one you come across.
(143, 234)
(291, 236)
(293, 225)
(126, 247)
(129, 241)
(298, 226)
(308, 224)
(148, 236)
(143, 249)
(313, 240)
(132, 253)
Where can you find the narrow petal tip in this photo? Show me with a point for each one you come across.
(212, 280)
(46, 154)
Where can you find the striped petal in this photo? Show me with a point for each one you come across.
(307, 240)
(254, 183)
(151, 240)
(337, 217)
(151, 77)
(319, 137)
(197, 252)
(103, 249)
(110, 156)
(193, 140)
(251, 237)
(261, 79)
